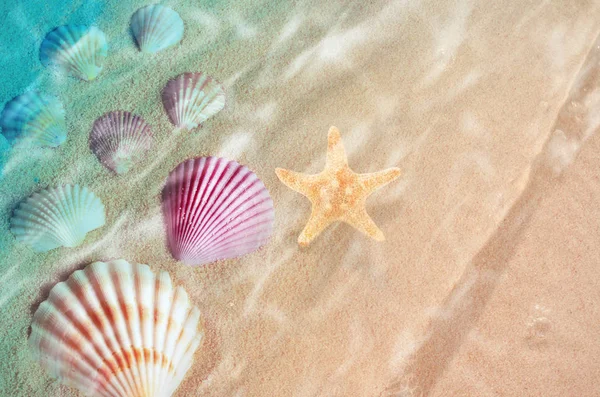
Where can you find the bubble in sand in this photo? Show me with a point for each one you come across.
(539, 328)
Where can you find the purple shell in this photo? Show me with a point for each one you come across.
(120, 139)
(215, 209)
(191, 98)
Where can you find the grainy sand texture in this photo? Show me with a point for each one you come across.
(488, 281)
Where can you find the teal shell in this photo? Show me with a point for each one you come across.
(60, 216)
(156, 27)
(77, 49)
(34, 119)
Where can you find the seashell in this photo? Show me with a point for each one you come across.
(56, 217)
(77, 49)
(34, 119)
(120, 139)
(117, 330)
(215, 209)
(156, 27)
(191, 98)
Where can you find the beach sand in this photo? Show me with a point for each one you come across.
(485, 284)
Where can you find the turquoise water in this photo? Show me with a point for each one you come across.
(130, 81)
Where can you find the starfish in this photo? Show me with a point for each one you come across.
(337, 193)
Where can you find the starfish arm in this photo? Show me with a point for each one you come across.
(378, 179)
(315, 225)
(336, 154)
(363, 222)
(295, 180)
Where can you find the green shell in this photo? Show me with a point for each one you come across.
(78, 49)
(34, 119)
(56, 217)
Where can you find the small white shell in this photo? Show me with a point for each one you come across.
(117, 330)
(120, 139)
(56, 217)
(34, 119)
(156, 27)
(77, 49)
(191, 98)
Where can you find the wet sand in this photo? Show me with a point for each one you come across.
(484, 285)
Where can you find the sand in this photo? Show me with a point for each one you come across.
(485, 284)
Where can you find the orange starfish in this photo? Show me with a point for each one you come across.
(337, 193)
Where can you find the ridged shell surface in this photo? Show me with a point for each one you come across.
(191, 98)
(156, 27)
(215, 209)
(120, 139)
(117, 330)
(77, 49)
(56, 217)
(34, 119)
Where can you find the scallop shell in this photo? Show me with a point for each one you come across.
(77, 49)
(156, 27)
(117, 330)
(215, 209)
(191, 98)
(56, 217)
(34, 119)
(120, 139)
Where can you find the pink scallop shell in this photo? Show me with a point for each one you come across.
(215, 209)
(191, 98)
(120, 139)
